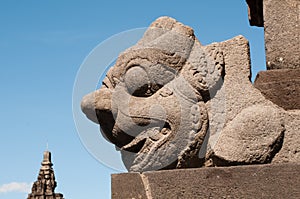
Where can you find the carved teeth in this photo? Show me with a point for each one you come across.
(135, 145)
(165, 131)
(165, 92)
(156, 137)
(139, 141)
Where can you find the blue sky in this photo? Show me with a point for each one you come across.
(42, 46)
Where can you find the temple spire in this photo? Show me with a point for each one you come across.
(45, 185)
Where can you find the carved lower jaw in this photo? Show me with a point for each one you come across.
(153, 134)
(147, 146)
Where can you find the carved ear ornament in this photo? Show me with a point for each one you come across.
(219, 60)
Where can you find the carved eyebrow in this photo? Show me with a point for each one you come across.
(154, 56)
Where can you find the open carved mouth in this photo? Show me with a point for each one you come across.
(144, 141)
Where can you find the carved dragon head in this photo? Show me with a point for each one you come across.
(152, 101)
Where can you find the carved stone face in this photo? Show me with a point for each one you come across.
(152, 101)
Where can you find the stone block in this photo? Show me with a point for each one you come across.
(282, 29)
(127, 185)
(256, 181)
(282, 87)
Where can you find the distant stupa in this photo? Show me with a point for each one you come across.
(45, 185)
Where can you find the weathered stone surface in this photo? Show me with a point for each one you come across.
(281, 86)
(162, 98)
(281, 22)
(282, 33)
(255, 181)
(253, 136)
(45, 185)
(254, 128)
(152, 102)
(128, 186)
(290, 151)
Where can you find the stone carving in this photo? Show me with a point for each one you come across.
(255, 130)
(170, 102)
(45, 185)
(151, 104)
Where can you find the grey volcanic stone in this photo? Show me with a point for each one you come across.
(281, 86)
(169, 105)
(255, 181)
(152, 102)
(128, 186)
(254, 129)
(253, 136)
(281, 21)
(290, 151)
(282, 33)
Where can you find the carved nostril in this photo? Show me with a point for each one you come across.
(88, 107)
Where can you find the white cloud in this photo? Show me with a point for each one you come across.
(15, 187)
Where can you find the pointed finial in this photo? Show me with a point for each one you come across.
(47, 160)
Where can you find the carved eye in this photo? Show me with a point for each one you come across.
(137, 81)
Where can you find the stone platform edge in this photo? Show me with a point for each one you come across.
(253, 181)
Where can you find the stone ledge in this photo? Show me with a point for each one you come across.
(281, 86)
(255, 181)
